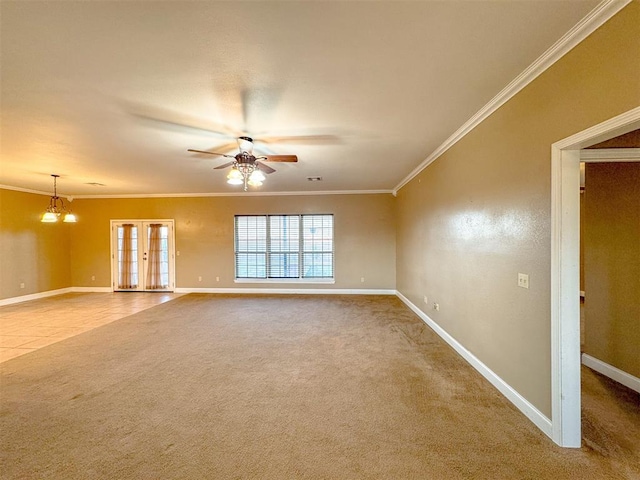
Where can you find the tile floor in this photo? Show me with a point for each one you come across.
(27, 326)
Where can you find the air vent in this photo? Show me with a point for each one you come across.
(314, 179)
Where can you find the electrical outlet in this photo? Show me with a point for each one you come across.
(426, 300)
(217, 279)
(436, 307)
(21, 284)
(199, 279)
(361, 279)
(93, 278)
(523, 280)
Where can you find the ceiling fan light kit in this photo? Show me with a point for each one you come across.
(245, 172)
(256, 178)
(246, 168)
(57, 207)
(235, 177)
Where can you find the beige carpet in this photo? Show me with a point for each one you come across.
(271, 387)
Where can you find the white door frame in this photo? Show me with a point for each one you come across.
(172, 252)
(565, 273)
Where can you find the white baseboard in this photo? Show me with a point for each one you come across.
(290, 291)
(51, 293)
(531, 412)
(612, 372)
(34, 296)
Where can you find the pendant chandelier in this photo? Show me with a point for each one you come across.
(57, 207)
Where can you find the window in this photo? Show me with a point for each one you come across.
(284, 246)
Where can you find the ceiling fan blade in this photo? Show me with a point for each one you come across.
(280, 158)
(302, 139)
(258, 105)
(228, 164)
(180, 127)
(265, 168)
(210, 153)
(225, 147)
(173, 120)
(244, 99)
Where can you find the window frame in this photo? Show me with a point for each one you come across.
(302, 249)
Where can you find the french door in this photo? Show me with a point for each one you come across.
(142, 255)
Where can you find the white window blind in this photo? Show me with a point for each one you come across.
(284, 246)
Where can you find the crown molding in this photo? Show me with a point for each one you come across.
(196, 195)
(239, 194)
(26, 190)
(585, 27)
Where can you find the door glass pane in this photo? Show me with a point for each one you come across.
(157, 277)
(127, 257)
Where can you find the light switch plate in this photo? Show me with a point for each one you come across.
(523, 280)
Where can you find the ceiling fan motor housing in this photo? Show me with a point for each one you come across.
(245, 158)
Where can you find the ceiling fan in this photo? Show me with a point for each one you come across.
(247, 169)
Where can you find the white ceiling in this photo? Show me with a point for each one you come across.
(116, 92)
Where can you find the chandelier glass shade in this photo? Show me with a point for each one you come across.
(57, 208)
(245, 174)
(235, 177)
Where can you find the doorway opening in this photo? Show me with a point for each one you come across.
(565, 273)
(610, 310)
(142, 256)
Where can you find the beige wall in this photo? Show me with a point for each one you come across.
(480, 214)
(364, 236)
(34, 253)
(612, 264)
